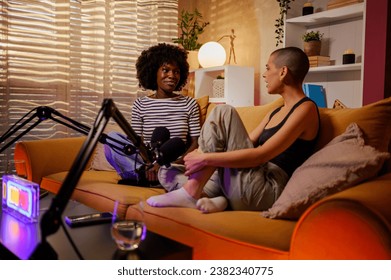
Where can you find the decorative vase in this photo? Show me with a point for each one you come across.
(192, 59)
(312, 48)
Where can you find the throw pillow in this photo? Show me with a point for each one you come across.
(99, 161)
(338, 104)
(342, 163)
(203, 102)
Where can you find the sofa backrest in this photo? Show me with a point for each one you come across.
(253, 115)
(373, 119)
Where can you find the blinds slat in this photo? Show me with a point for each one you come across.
(70, 55)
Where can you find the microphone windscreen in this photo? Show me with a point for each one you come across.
(159, 136)
(171, 150)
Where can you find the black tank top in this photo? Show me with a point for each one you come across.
(299, 151)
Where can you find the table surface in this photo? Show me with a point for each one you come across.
(94, 242)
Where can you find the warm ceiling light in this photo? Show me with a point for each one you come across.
(211, 54)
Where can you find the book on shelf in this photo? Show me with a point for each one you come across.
(321, 63)
(319, 60)
(341, 3)
(316, 93)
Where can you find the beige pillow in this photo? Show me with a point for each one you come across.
(99, 161)
(342, 163)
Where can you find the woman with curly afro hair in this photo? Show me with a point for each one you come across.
(162, 69)
(153, 58)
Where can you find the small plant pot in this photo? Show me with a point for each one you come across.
(312, 48)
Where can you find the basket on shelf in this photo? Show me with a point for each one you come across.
(218, 88)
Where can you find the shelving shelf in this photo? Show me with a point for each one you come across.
(329, 16)
(217, 100)
(238, 84)
(343, 29)
(336, 68)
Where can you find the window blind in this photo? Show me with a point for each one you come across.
(71, 54)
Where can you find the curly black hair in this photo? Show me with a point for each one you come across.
(153, 58)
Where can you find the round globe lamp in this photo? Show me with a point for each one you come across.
(211, 54)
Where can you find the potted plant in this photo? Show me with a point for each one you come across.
(284, 7)
(312, 42)
(191, 25)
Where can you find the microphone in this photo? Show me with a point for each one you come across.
(170, 151)
(159, 136)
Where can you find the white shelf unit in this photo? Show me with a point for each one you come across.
(238, 84)
(343, 29)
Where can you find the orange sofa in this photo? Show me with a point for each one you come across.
(354, 223)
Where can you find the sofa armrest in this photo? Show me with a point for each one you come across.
(45, 157)
(353, 224)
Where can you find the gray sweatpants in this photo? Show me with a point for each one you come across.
(254, 189)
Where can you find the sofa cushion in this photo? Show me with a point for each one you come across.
(373, 120)
(342, 163)
(243, 226)
(99, 189)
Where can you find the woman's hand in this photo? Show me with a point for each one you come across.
(194, 161)
(151, 174)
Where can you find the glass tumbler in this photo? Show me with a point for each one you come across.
(128, 227)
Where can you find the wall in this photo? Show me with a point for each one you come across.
(253, 22)
(377, 84)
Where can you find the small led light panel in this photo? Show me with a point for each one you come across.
(20, 198)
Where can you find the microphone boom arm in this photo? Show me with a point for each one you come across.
(42, 113)
(51, 219)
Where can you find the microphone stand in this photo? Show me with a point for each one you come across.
(44, 113)
(51, 219)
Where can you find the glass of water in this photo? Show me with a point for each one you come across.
(128, 228)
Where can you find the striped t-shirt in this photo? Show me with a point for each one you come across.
(180, 115)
